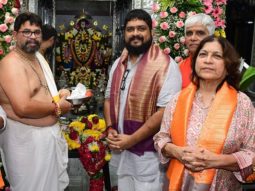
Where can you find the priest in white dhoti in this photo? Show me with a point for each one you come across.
(35, 154)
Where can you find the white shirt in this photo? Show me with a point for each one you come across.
(145, 167)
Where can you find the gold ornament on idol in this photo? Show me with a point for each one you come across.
(24, 59)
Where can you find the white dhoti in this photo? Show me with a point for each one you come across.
(35, 158)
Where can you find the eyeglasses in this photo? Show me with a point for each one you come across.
(123, 82)
(28, 33)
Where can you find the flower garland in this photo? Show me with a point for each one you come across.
(88, 136)
(169, 17)
(8, 14)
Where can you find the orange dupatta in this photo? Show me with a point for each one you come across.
(185, 69)
(216, 125)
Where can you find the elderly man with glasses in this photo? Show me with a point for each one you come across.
(35, 153)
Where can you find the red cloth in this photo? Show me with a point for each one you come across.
(17, 4)
(185, 68)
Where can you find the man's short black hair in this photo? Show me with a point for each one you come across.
(27, 16)
(139, 14)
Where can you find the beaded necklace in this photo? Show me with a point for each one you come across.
(30, 62)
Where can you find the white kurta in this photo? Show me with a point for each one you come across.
(35, 158)
(146, 167)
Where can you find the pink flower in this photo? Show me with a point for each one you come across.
(173, 10)
(217, 12)
(1, 5)
(207, 2)
(8, 38)
(154, 23)
(4, 2)
(15, 11)
(3, 27)
(9, 20)
(164, 26)
(1, 51)
(179, 24)
(176, 46)
(162, 39)
(155, 7)
(171, 34)
(208, 9)
(182, 39)
(178, 59)
(220, 23)
(163, 14)
(182, 15)
(167, 50)
(186, 52)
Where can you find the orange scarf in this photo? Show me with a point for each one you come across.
(185, 68)
(216, 125)
(1, 181)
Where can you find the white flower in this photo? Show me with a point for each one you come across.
(11, 27)
(7, 14)
(191, 13)
(15, 11)
(186, 52)
(178, 59)
(182, 39)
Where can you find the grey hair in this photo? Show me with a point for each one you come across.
(202, 18)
